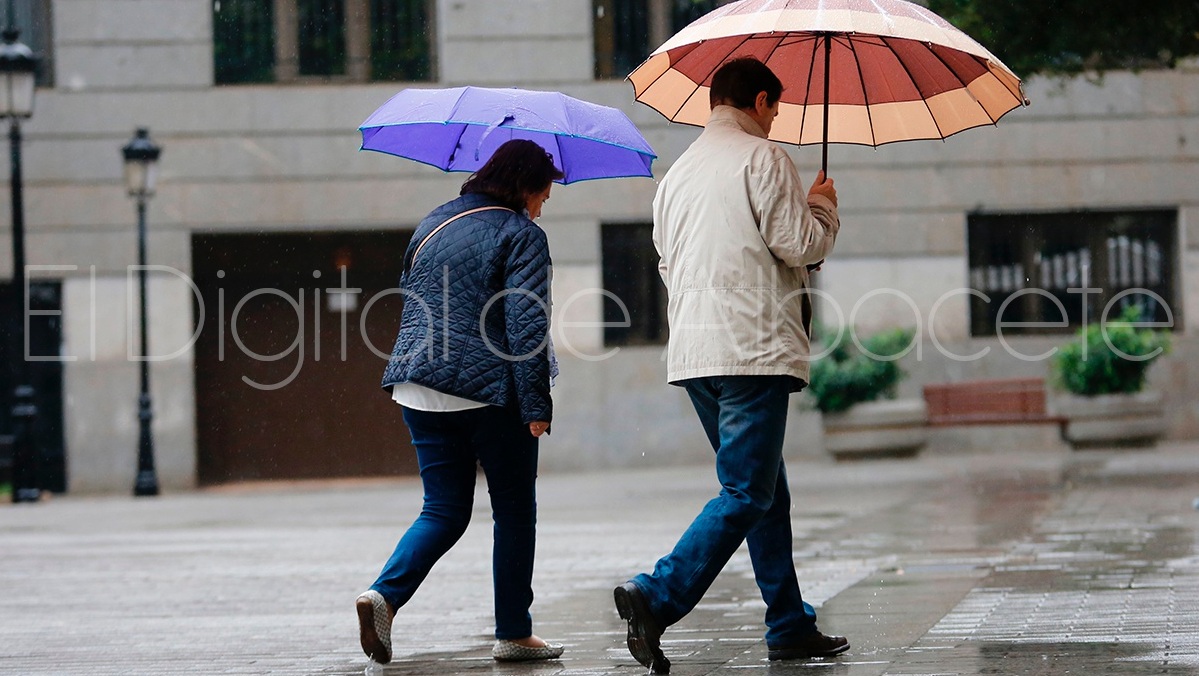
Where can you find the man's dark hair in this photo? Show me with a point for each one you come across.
(739, 81)
(518, 168)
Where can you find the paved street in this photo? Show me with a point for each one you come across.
(1031, 563)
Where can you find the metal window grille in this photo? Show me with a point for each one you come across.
(243, 41)
(1047, 258)
(621, 36)
(627, 30)
(32, 18)
(322, 39)
(401, 32)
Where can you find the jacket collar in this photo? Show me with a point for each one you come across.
(728, 116)
(473, 200)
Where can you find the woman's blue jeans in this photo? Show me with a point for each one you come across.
(745, 418)
(449, 447)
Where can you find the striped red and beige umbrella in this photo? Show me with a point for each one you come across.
(895, 70)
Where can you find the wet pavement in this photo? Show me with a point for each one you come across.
(994, 563)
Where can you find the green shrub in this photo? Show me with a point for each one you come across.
(1088, 365)
(847, 376)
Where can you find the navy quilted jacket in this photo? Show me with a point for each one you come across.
(476, 309)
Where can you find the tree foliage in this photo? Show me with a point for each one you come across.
(1065, 37)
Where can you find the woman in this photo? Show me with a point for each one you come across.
(471, 369)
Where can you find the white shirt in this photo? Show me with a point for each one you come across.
(422, 398)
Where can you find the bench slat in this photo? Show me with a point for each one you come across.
(1006, 400)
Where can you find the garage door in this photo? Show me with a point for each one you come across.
(294, 333)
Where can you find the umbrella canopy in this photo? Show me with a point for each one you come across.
(866, 72)
(458, 129)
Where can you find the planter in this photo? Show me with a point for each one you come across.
(1111, 420)
(877, 429)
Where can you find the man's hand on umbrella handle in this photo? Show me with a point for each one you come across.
(538, 427)
(824, 186)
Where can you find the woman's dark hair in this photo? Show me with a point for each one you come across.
(739, 81)
(518, 168)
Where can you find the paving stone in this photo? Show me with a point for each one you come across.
(1003, 563)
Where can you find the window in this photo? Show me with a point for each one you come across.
(32, 18)
(1125, 255)
(637, 295)
(296, 40)
(626, 31)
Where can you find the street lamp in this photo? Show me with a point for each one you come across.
(17, 68)
(141, 171)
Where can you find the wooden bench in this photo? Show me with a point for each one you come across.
(987, 402)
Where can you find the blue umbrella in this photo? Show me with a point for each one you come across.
(458, 129)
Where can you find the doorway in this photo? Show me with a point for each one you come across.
(295, 330)
(44, 328)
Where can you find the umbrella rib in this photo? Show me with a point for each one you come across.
(923, 99)
(655, 80)
(699, 85)
(775, 48)
(457, 104)
(457, 141)
(965, 85)
(457, 146)
(927, 15)
(803, 117)
(660, 75)
(561, 156)
(670, 118)
(865, 93)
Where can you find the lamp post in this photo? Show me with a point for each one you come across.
(141, 171)
(17, 68)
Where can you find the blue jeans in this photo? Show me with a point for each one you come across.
(449, 446)
(745, 418)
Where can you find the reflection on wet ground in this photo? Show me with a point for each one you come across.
(1014, 564)
(1104, 579)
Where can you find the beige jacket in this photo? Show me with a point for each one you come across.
(735, 228)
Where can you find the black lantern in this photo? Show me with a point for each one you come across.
(141, 172)
(18, 67)
(141, 165)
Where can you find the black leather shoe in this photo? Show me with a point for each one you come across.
(645, 635)
(816, 645)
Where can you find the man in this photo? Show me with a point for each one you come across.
(736, 237)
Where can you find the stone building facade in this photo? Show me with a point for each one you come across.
(265, 202)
